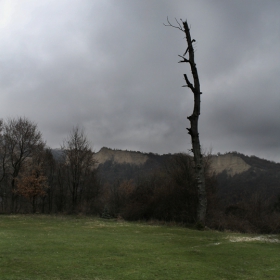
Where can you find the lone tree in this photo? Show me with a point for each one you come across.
(193, 130)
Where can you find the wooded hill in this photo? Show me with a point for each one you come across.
(243, 192)
(238, 176)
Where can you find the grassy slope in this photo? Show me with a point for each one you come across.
(46, 247)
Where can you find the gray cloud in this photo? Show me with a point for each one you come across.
(112, 68)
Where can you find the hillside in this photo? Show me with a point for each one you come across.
(115, 165)
(243, 192)
(262, 179)
(231, 162)
(238, 175)
(119, 156)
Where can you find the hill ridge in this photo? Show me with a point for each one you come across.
(231, 163)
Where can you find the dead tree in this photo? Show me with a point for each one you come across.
(193, 130)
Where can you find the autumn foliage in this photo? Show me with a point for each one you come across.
(32, 186)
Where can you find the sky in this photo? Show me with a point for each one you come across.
(111, 67)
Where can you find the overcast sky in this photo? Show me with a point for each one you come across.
(111, 67)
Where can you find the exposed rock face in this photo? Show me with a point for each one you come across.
(229, 162)
(233, 164)
(119, 156)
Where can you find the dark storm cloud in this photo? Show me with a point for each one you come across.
(111, 67)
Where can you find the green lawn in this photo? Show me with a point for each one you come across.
(63, 247)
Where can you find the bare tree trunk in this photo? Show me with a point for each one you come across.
(193, 130)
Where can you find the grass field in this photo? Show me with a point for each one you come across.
(65, 247)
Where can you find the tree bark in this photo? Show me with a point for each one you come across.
(193, 130)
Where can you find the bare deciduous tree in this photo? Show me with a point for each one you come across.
(79, 163)
(193, 130)
(22, 140)
(3, 153)
(49, 166)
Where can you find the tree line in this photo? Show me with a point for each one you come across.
(32, 180)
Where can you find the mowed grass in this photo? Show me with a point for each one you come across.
(66, 247)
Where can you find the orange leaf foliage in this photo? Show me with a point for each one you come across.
(32, 185)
